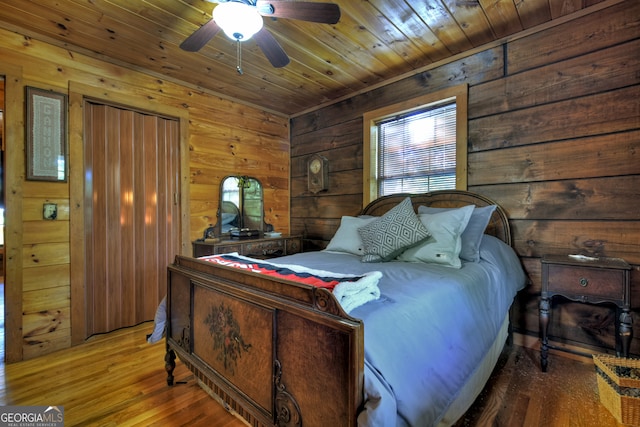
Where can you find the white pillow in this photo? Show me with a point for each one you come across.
(445, 243)
(347, 239)
(472, 235)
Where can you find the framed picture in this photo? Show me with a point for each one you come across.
(46, 135)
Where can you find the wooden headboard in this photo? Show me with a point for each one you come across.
(498, 225)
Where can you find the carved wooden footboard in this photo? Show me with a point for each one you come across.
(276, 352)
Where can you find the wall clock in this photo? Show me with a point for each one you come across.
(317, 173)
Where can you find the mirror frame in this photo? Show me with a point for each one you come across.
(253, 220)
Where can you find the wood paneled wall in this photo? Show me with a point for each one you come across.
(224, 138)
(554, 137)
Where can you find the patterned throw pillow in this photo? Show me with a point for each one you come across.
(389, 235)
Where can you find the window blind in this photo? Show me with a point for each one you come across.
(417, 151)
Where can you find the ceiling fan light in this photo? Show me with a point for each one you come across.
(239, 21)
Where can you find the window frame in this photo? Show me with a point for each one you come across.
(458, 94)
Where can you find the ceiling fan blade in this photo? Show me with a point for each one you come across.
(200, 37)
(324, 13)
(271, 48)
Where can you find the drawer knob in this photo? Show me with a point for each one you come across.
(583, 282)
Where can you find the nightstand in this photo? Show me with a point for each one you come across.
(262, 248)
(590, 281)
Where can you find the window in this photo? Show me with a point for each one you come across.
(417, 151)
(417, 146)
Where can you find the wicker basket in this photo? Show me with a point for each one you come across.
(619, 393)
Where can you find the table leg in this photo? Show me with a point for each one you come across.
(626, 331)
(170, 364)
(544, 326)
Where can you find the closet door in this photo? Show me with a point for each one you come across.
(131, 216)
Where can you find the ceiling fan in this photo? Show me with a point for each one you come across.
(242, 19)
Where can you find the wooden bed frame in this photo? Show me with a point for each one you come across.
(276, 352)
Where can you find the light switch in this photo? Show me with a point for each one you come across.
(50, 211)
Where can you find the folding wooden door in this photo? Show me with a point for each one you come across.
(131, 213)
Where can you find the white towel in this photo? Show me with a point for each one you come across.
(353, 294)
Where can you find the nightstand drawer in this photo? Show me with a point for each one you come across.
(596, 282)
(269, 248)
(227, 249)
(294, 246)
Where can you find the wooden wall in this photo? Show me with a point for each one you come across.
(554, 137)
(224, 138)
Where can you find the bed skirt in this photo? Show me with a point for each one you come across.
(478, 380)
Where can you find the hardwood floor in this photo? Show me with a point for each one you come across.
(519, 394)
(118, 379)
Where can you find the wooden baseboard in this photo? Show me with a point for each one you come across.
(582, 354)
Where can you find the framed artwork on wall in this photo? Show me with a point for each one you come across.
(46, 135)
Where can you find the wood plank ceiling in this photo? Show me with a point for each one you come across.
(374, 41)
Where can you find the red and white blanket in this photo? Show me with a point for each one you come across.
(350, 290)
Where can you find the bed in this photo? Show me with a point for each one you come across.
(414, 350)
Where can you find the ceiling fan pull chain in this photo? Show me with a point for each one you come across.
(239, 56)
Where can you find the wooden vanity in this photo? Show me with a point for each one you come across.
(262, 248)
